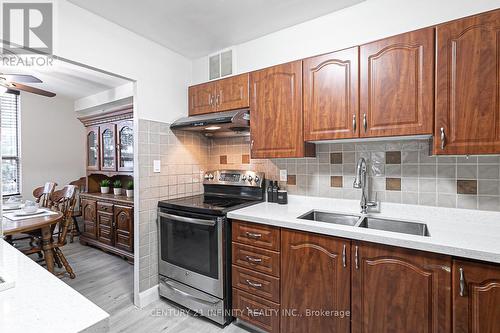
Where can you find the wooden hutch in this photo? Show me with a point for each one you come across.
(108, 219)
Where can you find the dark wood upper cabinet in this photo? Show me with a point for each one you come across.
(476, 297)
(221, 95)
(397, 85)
(399, 290)
(467, 82)
(201, 98)
(92, 143)
(276, 128)
(108, 147)
(315, 276)
(125, 145)
(331, 98)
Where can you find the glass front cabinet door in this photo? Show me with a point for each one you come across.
(93, 148)
(125, 147)
(108, 147)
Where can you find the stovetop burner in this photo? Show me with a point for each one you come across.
(207, 204)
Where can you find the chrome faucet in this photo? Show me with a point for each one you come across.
(360, 182)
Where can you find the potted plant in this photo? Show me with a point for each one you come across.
(117, 187)
(105, 186)
(130, 189)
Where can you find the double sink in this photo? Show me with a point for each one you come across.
(404, 227)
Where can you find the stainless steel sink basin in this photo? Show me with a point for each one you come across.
(315, 215)
(405, 227)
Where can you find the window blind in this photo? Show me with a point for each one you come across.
(9, 119)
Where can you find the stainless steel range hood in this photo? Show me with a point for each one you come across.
(218, 124)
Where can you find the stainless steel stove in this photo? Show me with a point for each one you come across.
(195, 242)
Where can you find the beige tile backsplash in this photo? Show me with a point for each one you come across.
(400, 172)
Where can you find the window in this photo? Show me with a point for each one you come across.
(9, 118)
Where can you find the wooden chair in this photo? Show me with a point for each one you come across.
(42, 194)
(80, 186)
(63, 201)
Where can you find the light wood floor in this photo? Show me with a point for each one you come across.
(107, 280)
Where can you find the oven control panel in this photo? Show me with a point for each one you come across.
(234, 177)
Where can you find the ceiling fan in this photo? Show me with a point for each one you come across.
(11, 82)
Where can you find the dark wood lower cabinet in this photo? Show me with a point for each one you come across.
(399, 290)
(89, 215)
(476, 297)
(315, 283)
(108, 224)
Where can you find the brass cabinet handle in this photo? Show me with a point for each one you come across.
(354, 123)
(462, 282)
(253, 235)
(210, 99)
(356, 260)
(365, 122)
(253, 284)
(217, 100)
(251, 144)
(344, 263)
(250, 259)
(443, 138)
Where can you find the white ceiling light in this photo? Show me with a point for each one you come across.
(3, 90)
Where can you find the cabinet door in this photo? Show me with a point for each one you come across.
(331, 96)
(124, 227)
(397, 85)
(93, 148)
(202, 98)
(315, 277)
(105, 228)
(276, 112)
(108, 147)
(89, 215)
(232, 93)
(476, 297)
(399, 290)
(467, 86)
(125, 138)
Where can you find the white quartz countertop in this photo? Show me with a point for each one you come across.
(40, 302)
(463, 233)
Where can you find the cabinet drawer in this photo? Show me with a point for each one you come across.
(260, 260)
(256, 283)
(257, 235)
(104, 207)
(256, 311)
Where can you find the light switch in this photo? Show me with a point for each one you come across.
(156, 166)
(283, 175)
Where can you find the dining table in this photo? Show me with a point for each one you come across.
(42, 223)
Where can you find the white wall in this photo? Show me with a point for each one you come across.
(52, 142)
(359, 24)
(162, 75)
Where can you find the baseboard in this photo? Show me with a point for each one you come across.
(148, 296)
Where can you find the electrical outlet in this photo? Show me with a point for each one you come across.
(283, 175)
(156, 166)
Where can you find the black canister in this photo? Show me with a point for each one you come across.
(275, 191)
(282, 197)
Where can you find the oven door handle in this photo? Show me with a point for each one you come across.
(187, 219)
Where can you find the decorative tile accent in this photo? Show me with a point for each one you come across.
(291, 180)
(223, 159)
(393, 157)
(336, 158)
(245, 159)
(336, 181)
(393, 184)
(466, 186)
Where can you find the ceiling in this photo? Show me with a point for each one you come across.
(68, 79)
(195, 28)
